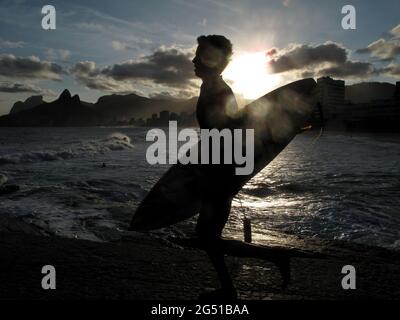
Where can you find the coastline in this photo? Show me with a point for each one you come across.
(146, 268)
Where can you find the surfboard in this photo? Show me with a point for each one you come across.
(276, 119)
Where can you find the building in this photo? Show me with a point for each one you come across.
(164, 116)
(330, 94)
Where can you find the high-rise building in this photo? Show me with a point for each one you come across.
(330, 93)
(397, 92)
(164, 116)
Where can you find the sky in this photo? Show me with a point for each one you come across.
(146, 47)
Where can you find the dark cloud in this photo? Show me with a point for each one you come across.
(303, 56)
(170, 67)
(386, 48)
(328, 59)
(23, 87)
(349, 69)
(272, 52)
(28, 67)
(87, 73)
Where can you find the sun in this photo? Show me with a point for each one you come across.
(248, 74)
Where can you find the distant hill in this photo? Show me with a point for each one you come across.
(125, 107)
(65, 111)
(29, 103)
(108, 110)
(367, 91)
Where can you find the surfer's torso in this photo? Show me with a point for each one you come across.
(216, 109)
(216, 106)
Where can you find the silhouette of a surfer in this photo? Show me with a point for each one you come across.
(216, 109)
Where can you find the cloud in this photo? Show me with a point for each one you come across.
(387, 48)
(90, 26)
(28, 67)
(58, 54)
(169, 95)
(4, 44)
(395, 31)
(328, 59)
(121, 46)
(349, 69)
(383, 49)
(203, 23)
(302, 56)
(131, 45)
(166, 67)
(9, 87)
(171, 67)
(87, 73)
(391, 70)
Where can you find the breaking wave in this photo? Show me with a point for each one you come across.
(114, 142)
(3, 179)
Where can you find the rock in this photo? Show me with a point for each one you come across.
(65, 96)
(76, 99)
(29, 103)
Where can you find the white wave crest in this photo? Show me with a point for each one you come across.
(3, 179)
(114, 142)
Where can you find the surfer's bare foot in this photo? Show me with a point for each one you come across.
(219, 295)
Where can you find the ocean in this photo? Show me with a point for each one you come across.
(335, 186)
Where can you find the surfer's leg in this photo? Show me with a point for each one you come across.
(281, 257)
(212, 219)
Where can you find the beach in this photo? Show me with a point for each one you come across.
(62, 207)
(147, 268)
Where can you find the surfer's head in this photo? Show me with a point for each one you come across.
(212, 55)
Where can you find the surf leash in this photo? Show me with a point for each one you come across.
(246, 219)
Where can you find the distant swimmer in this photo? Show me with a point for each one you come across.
(103, 165)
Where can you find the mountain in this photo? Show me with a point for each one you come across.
(368, 91)
(108, 110)
(65, 111)
(125, 107)
(29, 103)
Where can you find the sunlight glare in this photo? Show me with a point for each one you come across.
(247, 72)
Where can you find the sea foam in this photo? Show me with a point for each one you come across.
(114, 142)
